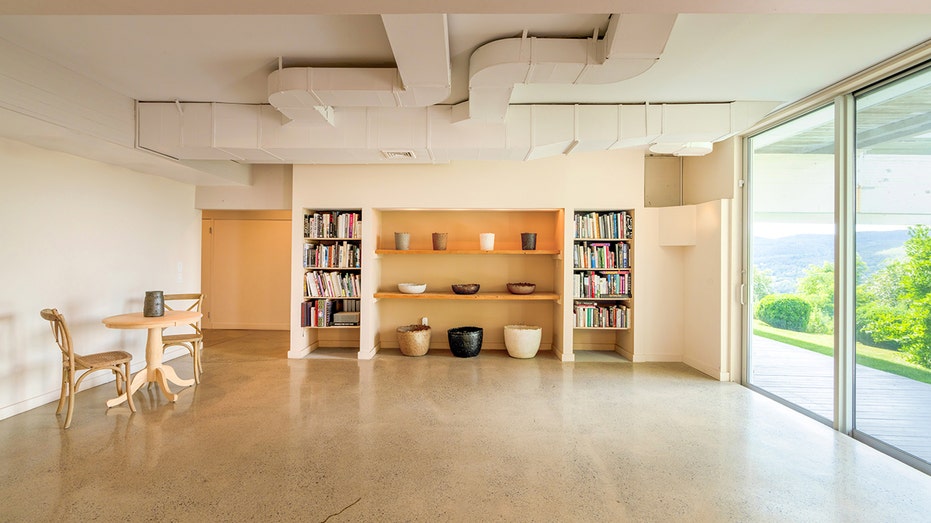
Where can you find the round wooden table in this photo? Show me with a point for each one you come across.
(155, 370)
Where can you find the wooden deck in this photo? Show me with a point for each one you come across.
(889, 407)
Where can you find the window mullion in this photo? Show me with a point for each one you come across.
(844, 263)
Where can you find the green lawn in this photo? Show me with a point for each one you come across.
(880, 359)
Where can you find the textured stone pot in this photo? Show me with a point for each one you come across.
(414, 339)
(402, 241)
(154, 304)
(439, 241)
(522, 341)
(465, 342)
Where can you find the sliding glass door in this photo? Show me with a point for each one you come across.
(893, 239)
(858, 199)
(791, 225)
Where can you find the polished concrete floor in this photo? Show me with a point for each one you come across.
(437, 438)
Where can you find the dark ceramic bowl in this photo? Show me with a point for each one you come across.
(521, 288)
(465, 288)
(465, 342)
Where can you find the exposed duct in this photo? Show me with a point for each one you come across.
(632, 44)
(256, 134)
(354, 115)
(421, 48)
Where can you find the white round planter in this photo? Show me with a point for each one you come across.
(522, 341)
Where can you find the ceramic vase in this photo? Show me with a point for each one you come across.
(402, 241)
(522, 341)
(486, 241)
(439, 241)
(528, 241)
(154, 305)
(465, 342)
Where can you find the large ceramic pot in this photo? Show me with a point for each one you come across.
(465, 342)
(522, 341)
(414, 340)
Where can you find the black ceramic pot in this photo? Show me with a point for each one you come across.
(528, 241)
(465, 342)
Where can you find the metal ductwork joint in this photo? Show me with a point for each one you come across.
(632, 44)
(422, 77)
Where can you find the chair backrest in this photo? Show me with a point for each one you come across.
(185, 302)
(61, 333)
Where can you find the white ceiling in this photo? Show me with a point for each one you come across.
(779, 55)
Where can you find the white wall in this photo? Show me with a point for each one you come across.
(89, 239)
(712, 177)
(705, 298)
(270, 190)
(706, 180)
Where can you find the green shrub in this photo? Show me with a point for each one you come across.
(820, 322)
(784, 311)
(874, 323)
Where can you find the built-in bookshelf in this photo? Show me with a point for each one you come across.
(602, 278)
(332, 261)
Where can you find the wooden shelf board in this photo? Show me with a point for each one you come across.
(602, 239)
(586, 269)
(500, 296)
(331, 239)
(467, 251)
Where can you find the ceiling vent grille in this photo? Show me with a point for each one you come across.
(398, 155)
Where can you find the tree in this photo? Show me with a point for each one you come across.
(904, 314)
(762, 283)
(817, 286)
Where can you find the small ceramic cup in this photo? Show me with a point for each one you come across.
(486, 241)
(402, 241)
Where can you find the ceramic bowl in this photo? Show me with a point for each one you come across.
(465, 288)
(412, 288)
(521, 288)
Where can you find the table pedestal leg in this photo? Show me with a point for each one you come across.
(154, 371)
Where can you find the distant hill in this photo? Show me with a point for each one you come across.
(788, 257)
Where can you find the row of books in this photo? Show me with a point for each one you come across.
(331, 284)
(590, 314)
(337, 255)
(334, 224)
(323, 313)
(611, 225)
(614, 284)
(601, 255)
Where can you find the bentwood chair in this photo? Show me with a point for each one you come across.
(72, 362)
(193, 340)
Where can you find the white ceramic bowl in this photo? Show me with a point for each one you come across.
(412, 288)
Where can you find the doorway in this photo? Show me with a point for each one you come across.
(246, 269)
